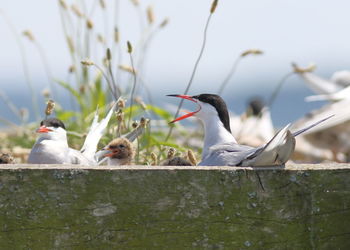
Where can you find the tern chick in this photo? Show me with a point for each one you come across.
(6, 159)
(119, 151)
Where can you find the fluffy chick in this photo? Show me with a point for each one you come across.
(121, 152)
(176, 161)
(6, 159)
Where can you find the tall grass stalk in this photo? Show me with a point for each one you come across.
(277, 89)
(212, 10)
(45, 62)
(229, 75)
(235, 65)
(296, 70)
(11, 106)
(115, 87)
(134, 81)
(35, 104)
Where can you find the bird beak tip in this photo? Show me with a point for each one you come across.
(43, 129)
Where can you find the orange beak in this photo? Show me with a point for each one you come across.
(187, 97)
(111, 153)
(43, 129)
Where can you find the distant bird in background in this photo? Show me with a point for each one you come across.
(333, 136)
(322, 86)
(6, 159)
(254, 127)
(51, 147)
(220, 147)
(333, 97)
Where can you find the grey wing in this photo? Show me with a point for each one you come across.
(75, 157)
(227, 155)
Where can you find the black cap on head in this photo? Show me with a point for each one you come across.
(256, 105)
(219, 104)
(52, 122)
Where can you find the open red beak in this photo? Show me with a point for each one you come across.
(111, 153)
(43, 129)
(187, 97)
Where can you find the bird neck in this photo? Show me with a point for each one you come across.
(215, 133)
(118, 162)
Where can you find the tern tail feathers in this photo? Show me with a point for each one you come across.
(131, 136)
(311, 126)
(279, 149)
(276, 152)
(95, 133)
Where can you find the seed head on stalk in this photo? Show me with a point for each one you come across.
(150, 15)
(50, 106)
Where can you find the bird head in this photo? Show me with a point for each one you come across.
(209, 106)
(52, 128)
(120, 148)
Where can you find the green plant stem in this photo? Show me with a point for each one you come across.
(108, 81)
(193, 73)
(116, 89)
(133, 88)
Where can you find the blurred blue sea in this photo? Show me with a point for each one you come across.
(288, 106)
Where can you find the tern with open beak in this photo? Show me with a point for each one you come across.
(220, 147)
(51, 147)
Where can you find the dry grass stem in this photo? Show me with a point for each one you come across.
(154, 159)
(63, 4)
(87, 62)
(70, 44)
(135, 2)
(129, 47)
(192, 157)
(252, 52)
(121, 103)
(116, 35)
(164, 23)
(102, 4)
(29, 35)
(235, 66)
(150, 15)
(213, 6)
(77, 11)
(89, 24)
(278, 88)
(127, 68)
(171, 153)
(134, 82)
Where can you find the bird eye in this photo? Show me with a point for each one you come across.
(121, 146)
